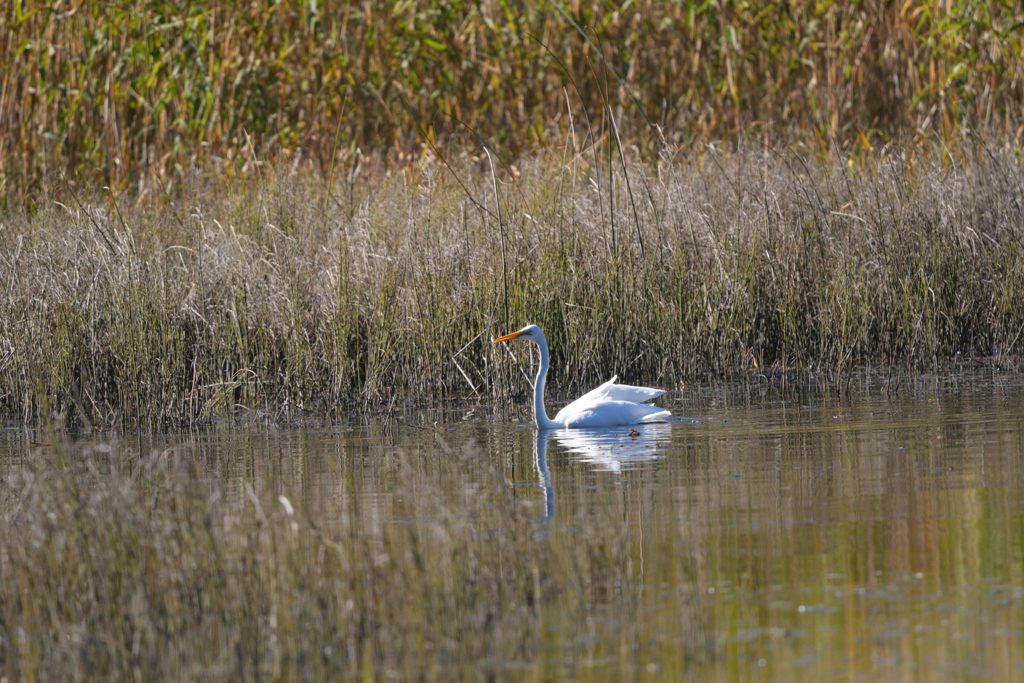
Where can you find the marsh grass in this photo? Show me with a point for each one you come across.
(273, 298)
(141, 566)
(284, 228)
(132, 97)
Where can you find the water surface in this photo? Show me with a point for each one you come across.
(864, 537)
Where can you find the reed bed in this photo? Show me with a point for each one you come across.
(275, 297)
(132, 96)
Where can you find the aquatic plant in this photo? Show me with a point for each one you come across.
(278, 296)
(133, 96)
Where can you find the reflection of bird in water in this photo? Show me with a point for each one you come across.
(615, 449)
(609, 405)
(607, 449)
(540, 463)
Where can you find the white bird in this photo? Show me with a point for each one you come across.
(609, 405)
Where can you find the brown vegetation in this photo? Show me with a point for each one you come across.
(275, 296)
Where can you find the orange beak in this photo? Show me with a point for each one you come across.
(507, 337)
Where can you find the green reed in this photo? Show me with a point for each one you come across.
(131, 97)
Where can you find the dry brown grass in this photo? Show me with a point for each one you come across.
(756, 260)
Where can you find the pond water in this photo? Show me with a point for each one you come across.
(866, 537)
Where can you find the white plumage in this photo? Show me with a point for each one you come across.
(609, 405)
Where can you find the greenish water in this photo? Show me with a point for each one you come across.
(859, 538)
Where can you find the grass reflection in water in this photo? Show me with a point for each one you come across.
(863, 538)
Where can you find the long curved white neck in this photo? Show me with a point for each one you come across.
(539, 414)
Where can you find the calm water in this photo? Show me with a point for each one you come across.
(862, 538)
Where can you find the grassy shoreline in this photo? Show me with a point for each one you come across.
(271, 294)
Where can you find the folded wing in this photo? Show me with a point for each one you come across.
(620, 392)
(612, 405)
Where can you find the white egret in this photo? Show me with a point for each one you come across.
(609, 405)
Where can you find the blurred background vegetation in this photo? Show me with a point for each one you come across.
(125, 93)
